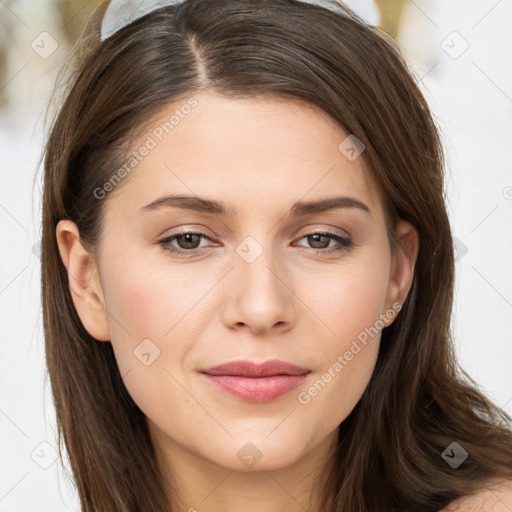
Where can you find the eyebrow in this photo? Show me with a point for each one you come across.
(300, 208)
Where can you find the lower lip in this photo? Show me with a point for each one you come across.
(257, 389)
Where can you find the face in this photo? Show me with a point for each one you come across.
(261, 274)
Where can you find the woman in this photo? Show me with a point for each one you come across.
(248, 273)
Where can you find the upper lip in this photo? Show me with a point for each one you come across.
(254, 369)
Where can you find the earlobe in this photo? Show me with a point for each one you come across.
(83, 281)
(403, 264)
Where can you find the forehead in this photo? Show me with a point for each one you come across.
(243, 152)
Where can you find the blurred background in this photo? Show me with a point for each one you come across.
(460, 52)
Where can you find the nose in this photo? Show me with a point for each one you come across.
(259, 295)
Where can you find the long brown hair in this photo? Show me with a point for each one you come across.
(418, 401)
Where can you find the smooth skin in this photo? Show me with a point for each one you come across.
(295, 301)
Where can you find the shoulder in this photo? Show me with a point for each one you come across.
(495, 497)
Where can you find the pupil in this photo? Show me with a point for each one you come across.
(315, 239)
(188, 240)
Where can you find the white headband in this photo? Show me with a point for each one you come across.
(122, 12)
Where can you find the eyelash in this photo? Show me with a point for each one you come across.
(344, 243)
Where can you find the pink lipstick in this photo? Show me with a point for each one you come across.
(256, 382)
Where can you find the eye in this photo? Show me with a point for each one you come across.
(320, 242)
(187, 242)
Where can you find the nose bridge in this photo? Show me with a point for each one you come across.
(260, 299)
(253, 266)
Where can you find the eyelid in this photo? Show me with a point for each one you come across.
(184, 229)
(329, 230)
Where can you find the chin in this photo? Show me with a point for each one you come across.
(257, 453)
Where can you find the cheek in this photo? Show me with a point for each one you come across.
(348, 298)
(142, 306)
(154, 313)
(151, 301)
(146, 315)
(349, 305)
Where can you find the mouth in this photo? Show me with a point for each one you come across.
(256, 382)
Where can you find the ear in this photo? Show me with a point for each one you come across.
(83, 280)
(403, 263)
